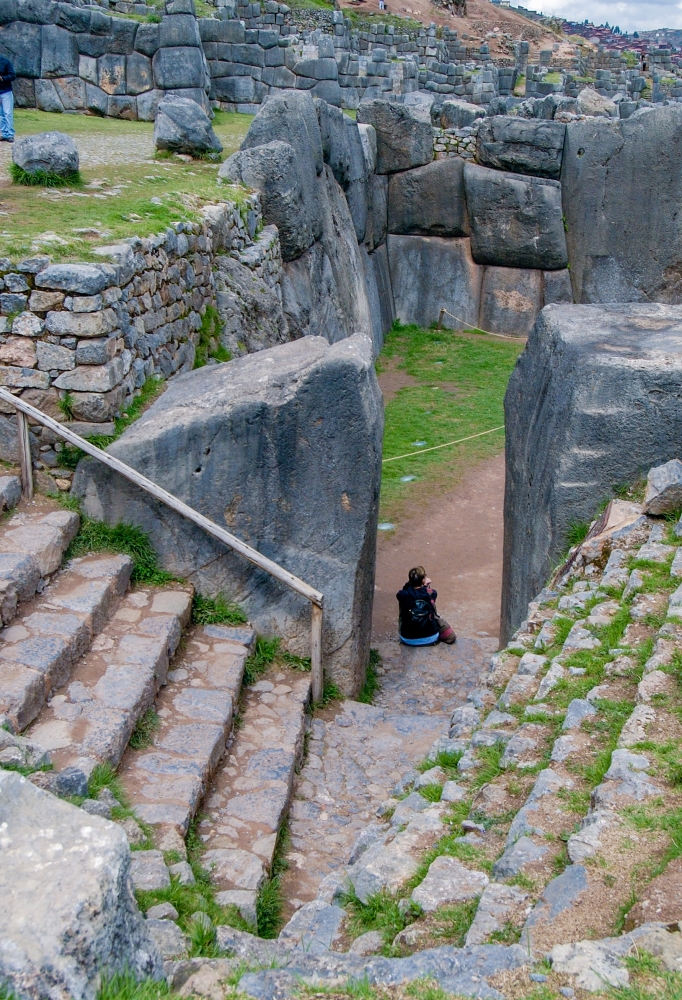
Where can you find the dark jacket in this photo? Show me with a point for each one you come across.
(423, 599)
(7, 74)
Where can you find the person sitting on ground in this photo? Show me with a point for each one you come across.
(419, 623)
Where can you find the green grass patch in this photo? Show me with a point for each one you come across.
(265, 652)
(454, 921)
(490, 765)
(577, 533)
(447, 760)
(44, 178)
(130, 195)
(379, 913)
(270, 902)
(432, 793)
(125, 539)
(461, 382)
(209, 345)
(143, 734)
(219, 610)
(371, 685)
(124, 986)
(104, 776)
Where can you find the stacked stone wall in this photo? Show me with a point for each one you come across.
(79, 340)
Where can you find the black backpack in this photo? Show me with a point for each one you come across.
(420, 611)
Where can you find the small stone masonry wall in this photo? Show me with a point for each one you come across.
(83, 338)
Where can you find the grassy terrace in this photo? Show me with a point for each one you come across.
(453, 386)
(126, 189)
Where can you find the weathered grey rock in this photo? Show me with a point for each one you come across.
(80, 279)
(448, 881)
(10, 491)
(664, 489)
(515, 221)
(179, 68)
(182, 871)
(49, 152)
(594, 104)
(521, 145)
(342, 148)
(578, 710)
(511, 299)
(624, 238)
(522, 853)
(162, 911)
(558, 895)
(557, 287)
(181, 126)
(170, 941)
(291, 117)
(496, 905)
(576, 393)
(234, 409)
(458, 114)
(68, 913)
(274, 170)
(369, 943)
(429, 200)
(244, 900)
(310, 298)
(404, 139)
(148, 871)
(314, 927)
(430, 273)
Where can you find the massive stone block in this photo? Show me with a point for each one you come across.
(592, 402)
(59, 52)
(404, 140)
(20, 42)
(521, 145)
(180, 67)
(342, 150)
(430, 273)
(429, 200)
(243, 443)
(273, 169)
(182, 126)
(69, 915)
(291, 117)
(511, 299)
(310, 299)
(515, 221)
(621, 190)
(382, 277)
(179, 29)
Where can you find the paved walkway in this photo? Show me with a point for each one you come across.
(357, 753)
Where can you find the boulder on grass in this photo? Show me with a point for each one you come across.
(47, 153)
(181, 126)
(664, 488)
(69, 916)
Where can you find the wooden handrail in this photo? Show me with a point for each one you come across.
(316, 599)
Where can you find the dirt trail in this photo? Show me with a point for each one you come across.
(457, 537)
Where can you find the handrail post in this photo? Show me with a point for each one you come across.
(316, 652)
(24, 455)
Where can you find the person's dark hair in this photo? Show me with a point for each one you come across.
(416, 576)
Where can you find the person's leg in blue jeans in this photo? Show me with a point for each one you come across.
(7, 116)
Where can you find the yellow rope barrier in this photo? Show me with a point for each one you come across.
(447, 444)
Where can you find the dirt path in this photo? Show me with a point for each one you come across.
(457, 537)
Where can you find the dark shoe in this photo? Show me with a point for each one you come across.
(448, 636)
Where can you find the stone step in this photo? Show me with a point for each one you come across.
(39, 650)
(91, 718)
(32, 544)
(250, 794)
(166, 781)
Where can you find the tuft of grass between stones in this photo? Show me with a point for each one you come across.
(142, 735)
(371, 685)
(219, 610)
(44, 178)
(125, 539)
(380, 913)
(104, 776)
(209, 345)
(270, 902)
(125, 986)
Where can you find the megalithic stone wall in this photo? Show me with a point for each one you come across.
(72, 58)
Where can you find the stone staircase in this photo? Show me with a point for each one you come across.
(521, 815)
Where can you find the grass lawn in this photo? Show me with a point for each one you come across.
(458, 382)
(124, 197)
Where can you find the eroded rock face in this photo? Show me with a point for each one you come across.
(429, 200)
(404, 139)
(522, 145)
(284, 448)
(68, 914)
(592, 402)
(624, 234)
